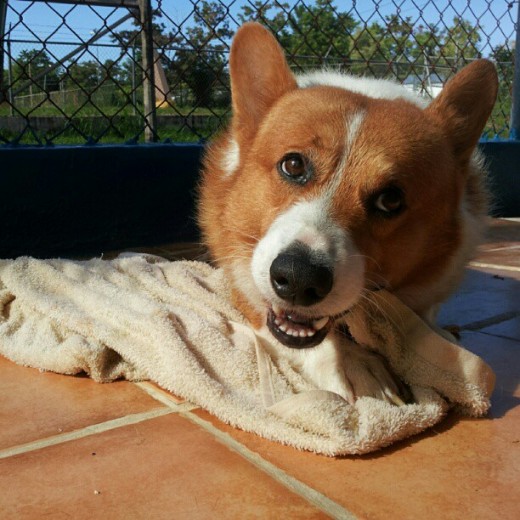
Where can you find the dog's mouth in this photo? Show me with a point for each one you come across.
(296, 330)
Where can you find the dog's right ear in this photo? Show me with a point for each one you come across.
(259, 76)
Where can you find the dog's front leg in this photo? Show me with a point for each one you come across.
(324, 367)
(352, 371)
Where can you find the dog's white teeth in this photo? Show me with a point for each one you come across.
(319, 324)
(277, 309)
(296, 329)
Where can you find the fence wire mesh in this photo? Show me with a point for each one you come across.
(80, 71)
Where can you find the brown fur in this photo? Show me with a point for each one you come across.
(427, 152)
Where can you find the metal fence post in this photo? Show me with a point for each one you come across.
(514, 132)
(10, 96)
(3, 12)
(134, 82)
(150, 117)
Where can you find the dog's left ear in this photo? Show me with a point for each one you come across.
(260, 75)
(465, 104)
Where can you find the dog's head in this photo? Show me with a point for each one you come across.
(327, 192)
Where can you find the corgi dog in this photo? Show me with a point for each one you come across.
(327, 186)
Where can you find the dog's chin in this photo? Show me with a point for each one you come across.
(294, 330)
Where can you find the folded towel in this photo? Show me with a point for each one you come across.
(142, 317)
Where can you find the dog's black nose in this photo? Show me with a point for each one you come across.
(299, 279)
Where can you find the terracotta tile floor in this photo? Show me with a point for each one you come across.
(71, 448)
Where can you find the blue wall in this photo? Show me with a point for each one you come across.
(503, 161)
(85, 200)
(59, 201)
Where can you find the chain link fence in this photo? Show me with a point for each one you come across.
(105, 71)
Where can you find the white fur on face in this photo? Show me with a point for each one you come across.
(230, 158)
(308, 222)
(353, 127)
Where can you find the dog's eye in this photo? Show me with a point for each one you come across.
(295, 167)
(389, 201)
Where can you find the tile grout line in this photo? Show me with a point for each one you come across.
(476, 326)
(86, 431)
(311, 495)
(165, 398)
(500, 248)
(490, 334)
(495, 266)
(306, 492)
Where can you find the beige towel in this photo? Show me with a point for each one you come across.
(142, 317)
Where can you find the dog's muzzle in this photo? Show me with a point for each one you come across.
(300, 279)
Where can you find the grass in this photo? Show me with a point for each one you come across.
(110, 135)
(110, 124)
(88, 109)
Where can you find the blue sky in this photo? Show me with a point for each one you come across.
(44, 20)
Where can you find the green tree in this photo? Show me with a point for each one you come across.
(130, 38)
(272, 14)
(369, 53)
(113, 71)
(27, 68)
(320, 30)
(311, 34)
(427, 42)
(130, 69)
(504, 57)
(460, 43)
(394, 48)
(397, 37)
(398, 48)
(200, 60)
(84, 75)
(89, 76)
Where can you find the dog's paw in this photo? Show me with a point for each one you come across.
(369, 375)
(342, 366)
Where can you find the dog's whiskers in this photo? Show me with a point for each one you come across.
(242, 233)
(366, 257)
(234, 256)
(366, 296)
